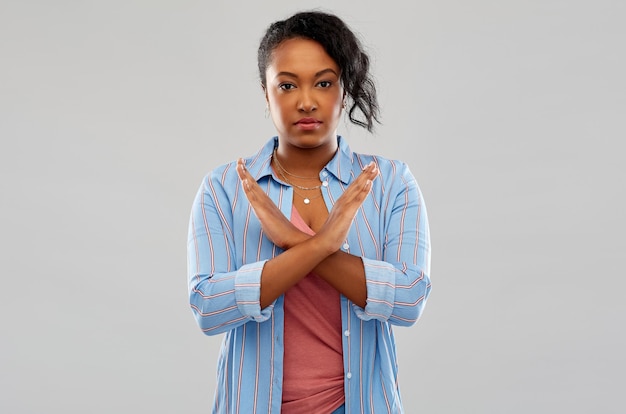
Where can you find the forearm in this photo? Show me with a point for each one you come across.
(214, 303)
(345, 273)
(288, 268)
(341, 270)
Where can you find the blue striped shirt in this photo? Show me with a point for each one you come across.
(226, 253)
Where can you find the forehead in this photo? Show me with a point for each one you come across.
(300, 56)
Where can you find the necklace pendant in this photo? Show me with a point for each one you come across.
(307, 201)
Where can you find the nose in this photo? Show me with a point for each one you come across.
(306, 101)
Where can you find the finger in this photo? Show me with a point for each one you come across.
(359, 185)
(370, 170)
(360, 193)
(365, 190)
(247, 189)
(242, 172)
(244, 175)
(350, 202)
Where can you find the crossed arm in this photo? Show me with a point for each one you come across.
(304, 253)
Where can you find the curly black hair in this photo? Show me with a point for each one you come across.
(342, 46)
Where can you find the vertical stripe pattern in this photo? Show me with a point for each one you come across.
(226, 254)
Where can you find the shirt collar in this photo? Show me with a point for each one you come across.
(340, 165)
(259, 165)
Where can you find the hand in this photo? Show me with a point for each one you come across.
(275, 225)
(334, 231)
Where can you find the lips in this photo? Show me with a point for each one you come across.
(308, 124)
(308, 121)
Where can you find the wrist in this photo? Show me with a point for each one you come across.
(324, 244)
(295, 239)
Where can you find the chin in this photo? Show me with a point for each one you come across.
(312, 140)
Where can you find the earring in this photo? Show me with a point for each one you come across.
(267, 110)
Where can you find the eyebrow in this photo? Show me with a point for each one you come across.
(318, 74)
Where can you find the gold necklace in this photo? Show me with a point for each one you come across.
(281, 171)
(275, 157)
(306, 200)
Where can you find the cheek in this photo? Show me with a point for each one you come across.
(278, 103)
(277, 110)
(275, 106)
(336, 103)
(338, 99)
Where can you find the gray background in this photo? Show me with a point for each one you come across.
(508, 112)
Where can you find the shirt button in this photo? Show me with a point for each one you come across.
(346, 332)
(349, 375)
(325, 183)
(346, 246)
(324, 174)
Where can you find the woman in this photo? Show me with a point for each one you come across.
(306, 253)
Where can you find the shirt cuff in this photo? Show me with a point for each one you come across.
(380, 278)
(248, 291)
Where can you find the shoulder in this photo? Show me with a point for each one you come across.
(395, 180)
(220, 178)
(390, 169)
(225, 175)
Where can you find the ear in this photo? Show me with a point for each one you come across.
(265, 93)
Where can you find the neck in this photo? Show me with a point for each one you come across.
(305, 161)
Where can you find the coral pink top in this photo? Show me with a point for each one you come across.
(313, 358)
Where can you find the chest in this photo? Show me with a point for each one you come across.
(314, 213)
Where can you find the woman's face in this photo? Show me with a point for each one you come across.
(304, 93)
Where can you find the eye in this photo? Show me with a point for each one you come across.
(286, 86)
(325, 84)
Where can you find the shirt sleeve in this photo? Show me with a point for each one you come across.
(222, 294)
(399, 284)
